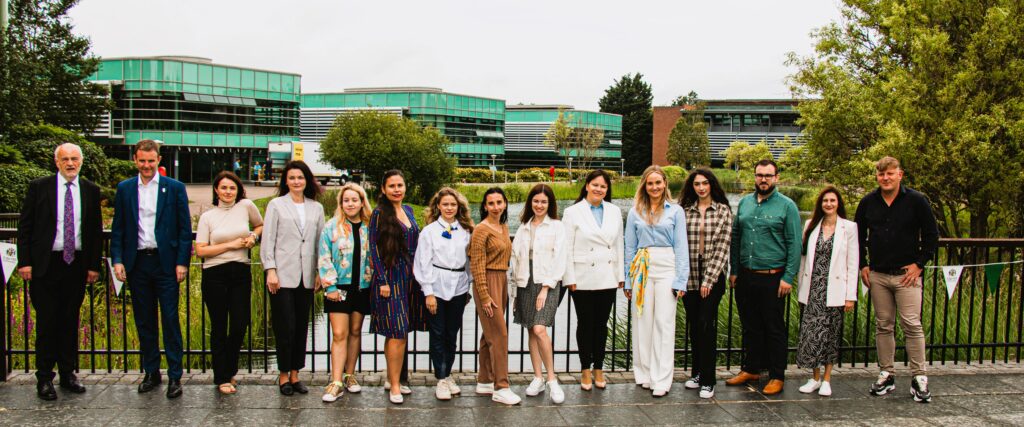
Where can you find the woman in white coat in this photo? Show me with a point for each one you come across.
(593, 272)
(827, 287)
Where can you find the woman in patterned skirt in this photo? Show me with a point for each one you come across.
(826, 288)
(538, 264)
(397, 303)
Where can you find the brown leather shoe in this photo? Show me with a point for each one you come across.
(599, 380)
(585, 381)
(742, 378)
(773, 387)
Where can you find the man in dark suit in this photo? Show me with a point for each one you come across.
(150, 246)
(59, 236)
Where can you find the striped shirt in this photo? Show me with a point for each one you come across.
(717, 235)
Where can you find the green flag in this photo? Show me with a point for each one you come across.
(992, 273)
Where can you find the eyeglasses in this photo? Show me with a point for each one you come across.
(764, 176)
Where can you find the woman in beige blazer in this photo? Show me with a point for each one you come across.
(826, 287)
(593, 271)
(291, 230)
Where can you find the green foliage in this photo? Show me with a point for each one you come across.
(745, 156)
(375, 142)
(480, 175)
(934, 83)
(38, 142)
(44, 66)
(14, 181)
(120, 170)
(674, 172)
(631, 97)
(688, 144)
(10, 155)
(689, 99)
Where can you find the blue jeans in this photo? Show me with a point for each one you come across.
(444, 334)
(152, 288)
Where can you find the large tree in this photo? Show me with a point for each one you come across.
(375, 142)
(689, 99)
(935, 83)
(631, 97)
(688, 144)
(572, 138)
(43, 70)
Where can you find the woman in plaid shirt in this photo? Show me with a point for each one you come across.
(708, 227)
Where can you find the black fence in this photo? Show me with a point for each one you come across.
(980, 323)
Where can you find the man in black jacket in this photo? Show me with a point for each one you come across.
(59, 238)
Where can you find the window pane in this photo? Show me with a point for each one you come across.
(234, 77)
(152, 70)
(172, 71)
(220, 76)
(205, 75)
(261, 80)
(248, 80)
(190, 72)
(274, 82)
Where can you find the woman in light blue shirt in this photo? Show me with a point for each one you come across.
(658, 267)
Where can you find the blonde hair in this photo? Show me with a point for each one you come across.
(642, 202)
(339, 214)
(886, 163)
(433, 211)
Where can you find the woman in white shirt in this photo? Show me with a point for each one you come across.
(538, 264)
(440, 267)
(593, 271)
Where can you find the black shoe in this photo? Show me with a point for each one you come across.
(286, 389)
(173, 388)
(886, 382)
(149, 382)
(70, 383)
(299, 387)
(45, 391)
(919, 389)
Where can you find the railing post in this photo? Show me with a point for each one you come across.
(3, 332)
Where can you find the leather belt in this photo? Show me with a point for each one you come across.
(450, 269)
(149, 252)
(768, 271)
(891, 271)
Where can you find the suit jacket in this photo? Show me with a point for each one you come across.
(173, 224)
(285, 248)
(595, 254)
(37, 226)
(843, 267)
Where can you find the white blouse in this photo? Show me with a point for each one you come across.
(434, 250)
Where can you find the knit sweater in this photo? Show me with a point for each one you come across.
(489, 249)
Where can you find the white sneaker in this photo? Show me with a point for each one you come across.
(506, 396)
(441, 392)
(352, 384)
(645, 386)
(536, 387)
(825, 390)
(484, 388)
(396, 398)
(333, 392)
(453, 387)
(404, 389)
(557, 395)
(659, 393)
(693, 382)
(707, 392)
(810, 386)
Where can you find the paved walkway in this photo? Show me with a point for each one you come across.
(963, 396)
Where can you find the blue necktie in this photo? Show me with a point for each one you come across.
(69, 226)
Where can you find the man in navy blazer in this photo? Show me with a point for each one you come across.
(150, 246)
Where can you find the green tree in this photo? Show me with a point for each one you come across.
(44, 66)
(689, 99)
(375, 142)
(631, 97)
(36, 143)
(571, 137)
(934, 83)
(688, 144)
(742, 156)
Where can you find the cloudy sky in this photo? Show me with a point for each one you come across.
(527, 51)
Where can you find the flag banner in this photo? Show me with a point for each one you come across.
(113, 278)
(9, 254)
(952, 275)
(992, 273)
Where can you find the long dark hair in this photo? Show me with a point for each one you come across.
(390, 237)
(594, 174)
(689, 195)
(312, 187)
(819, 213)
(528, 209)
(483, 204)
(234, 178)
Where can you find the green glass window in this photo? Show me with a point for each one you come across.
(397, 99)
(190, 73)
(172, 71)
(220, 76)
(132, 69)
(152, 70)
(248, 81)
(261, 81)
(234, 78)
(274, 82)
(288, 84)
(355, 100)
(205, 75)
(110, 70)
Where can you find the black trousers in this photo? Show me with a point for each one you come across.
(289, 315)
(57, 298)
(155, 308)
(226, 292)
(592, 311)
(444, 334)
(702, 320)
(762, 314)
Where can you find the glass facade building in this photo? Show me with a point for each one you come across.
(525, 126)
(474, 125)
(207, 115)
(751, 120)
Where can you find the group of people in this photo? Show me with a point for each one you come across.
(379, 262)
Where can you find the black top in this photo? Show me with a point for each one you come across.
(357, 273)
(893, 236)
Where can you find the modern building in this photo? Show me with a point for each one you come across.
(749, 120)
(207, 115)
(475, 125)
(525, 126)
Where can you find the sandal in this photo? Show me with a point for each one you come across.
(226, 389)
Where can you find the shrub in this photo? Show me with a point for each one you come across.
(37, 142)
(674, 172)
(14, 181)
(120, 170)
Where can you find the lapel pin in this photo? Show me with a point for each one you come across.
(163, 190)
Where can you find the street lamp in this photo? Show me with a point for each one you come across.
(622, 167)
(493, 169)
(570, 170)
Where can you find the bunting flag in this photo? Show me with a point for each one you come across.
(113, 278)
(9, 255)
(952, 275)
(992, 273)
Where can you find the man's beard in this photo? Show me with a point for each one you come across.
(770, 189)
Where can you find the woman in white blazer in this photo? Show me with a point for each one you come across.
(826, 287)
(593, 272)
(291, 229)
(537, 267)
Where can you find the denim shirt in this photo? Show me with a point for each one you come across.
(335, 256)
(669, 231)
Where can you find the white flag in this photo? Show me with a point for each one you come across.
(952, 275)
(9, 254)
(113, 277)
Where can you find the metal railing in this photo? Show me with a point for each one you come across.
(977, 324)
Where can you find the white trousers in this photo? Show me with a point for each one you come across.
(654, 331)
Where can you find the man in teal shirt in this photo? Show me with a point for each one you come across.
(764, 259)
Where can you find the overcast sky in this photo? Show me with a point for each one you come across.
(527, 51)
